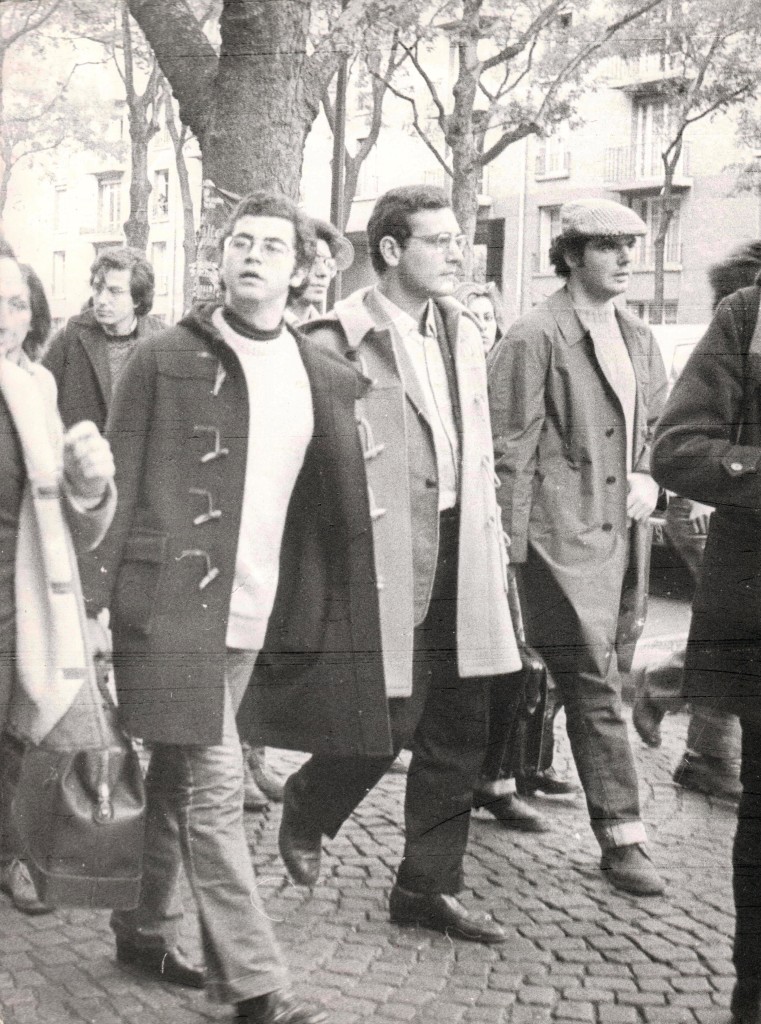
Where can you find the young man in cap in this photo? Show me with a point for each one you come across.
(575, 388)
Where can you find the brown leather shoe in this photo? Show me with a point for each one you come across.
(168, 965)
(512, 812)
(708, 775)
(16, 882)
(630, 869)
(443, 913)
(299, 843)
(278, 1008)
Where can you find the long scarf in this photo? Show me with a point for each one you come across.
(52, 659)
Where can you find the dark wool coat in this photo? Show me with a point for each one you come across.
(78, 360)
(708, 447)
(560, 455)
(179, 431)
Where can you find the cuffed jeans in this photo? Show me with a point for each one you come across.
(445, 725)
(195, 820)
(594, 712)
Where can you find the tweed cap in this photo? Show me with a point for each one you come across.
(587, 217)
(341, 248)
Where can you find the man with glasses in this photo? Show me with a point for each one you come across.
(225, 437)
(575, 388)
(438, 562)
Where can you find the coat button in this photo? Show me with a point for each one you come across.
(431, 481)
(736, 467)
(610, 431)
(610, 480)
(607, 527)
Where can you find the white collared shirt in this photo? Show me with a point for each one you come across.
(426, 358)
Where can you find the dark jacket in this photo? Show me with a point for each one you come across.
(78, 360)
(168, 579)
(708, 447)
(560, 455)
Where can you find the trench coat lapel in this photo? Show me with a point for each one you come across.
(94, 345)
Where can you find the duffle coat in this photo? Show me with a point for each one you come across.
(179, 429)
(400, 458)
(708, 447)
(560, 455)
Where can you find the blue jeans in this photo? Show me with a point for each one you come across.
(195, 820)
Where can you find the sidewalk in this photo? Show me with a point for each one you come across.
(578, 950)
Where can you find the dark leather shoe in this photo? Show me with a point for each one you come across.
(443, 913)
(746, 1003)
(168, 965)
(300, 845)
(647, 718)
(547, 782)
(630, 869)
(709, 775)
(16, 882)
(512, 812)
(277, 1008)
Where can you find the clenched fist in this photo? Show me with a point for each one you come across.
(87, 461)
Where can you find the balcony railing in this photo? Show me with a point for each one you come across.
(630, 163)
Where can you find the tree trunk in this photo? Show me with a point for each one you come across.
(667, 211)
(189, 245)
(137, 226)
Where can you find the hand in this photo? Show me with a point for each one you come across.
(699, 516)
(87, 461)
(642, 497)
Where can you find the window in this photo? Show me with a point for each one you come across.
(549, 228)
(648, 207)
(160, 195)
(110, 202)
(59, 274)
(645, 311)
(650, 129)
(553, 159)
(159, 261)
(59, 205)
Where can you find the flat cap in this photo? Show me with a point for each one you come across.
(587, 217)
(341, 248)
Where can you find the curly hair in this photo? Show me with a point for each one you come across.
(141, 281)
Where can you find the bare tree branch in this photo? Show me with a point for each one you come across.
(418, 127)
(507, 53)
(412, 55)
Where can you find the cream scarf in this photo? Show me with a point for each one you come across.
(52, 656)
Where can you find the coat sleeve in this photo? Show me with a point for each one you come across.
(655, 400)
(517, 374)
(55, 357)
(127, 431)
(698, 450)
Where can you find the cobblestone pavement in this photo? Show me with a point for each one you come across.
(577, 951)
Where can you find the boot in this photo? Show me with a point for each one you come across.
(708, 775)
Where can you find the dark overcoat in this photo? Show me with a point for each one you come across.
(708, 447)
(78, 359)
(560, 455)
(179, 429)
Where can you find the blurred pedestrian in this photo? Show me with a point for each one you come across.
(708, 448)
(575, 388)
(334, 254)
(485, 303)
(56, 490)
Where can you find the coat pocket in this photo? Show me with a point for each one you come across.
(138, 580)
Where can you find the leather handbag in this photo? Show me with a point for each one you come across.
(80, 807)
